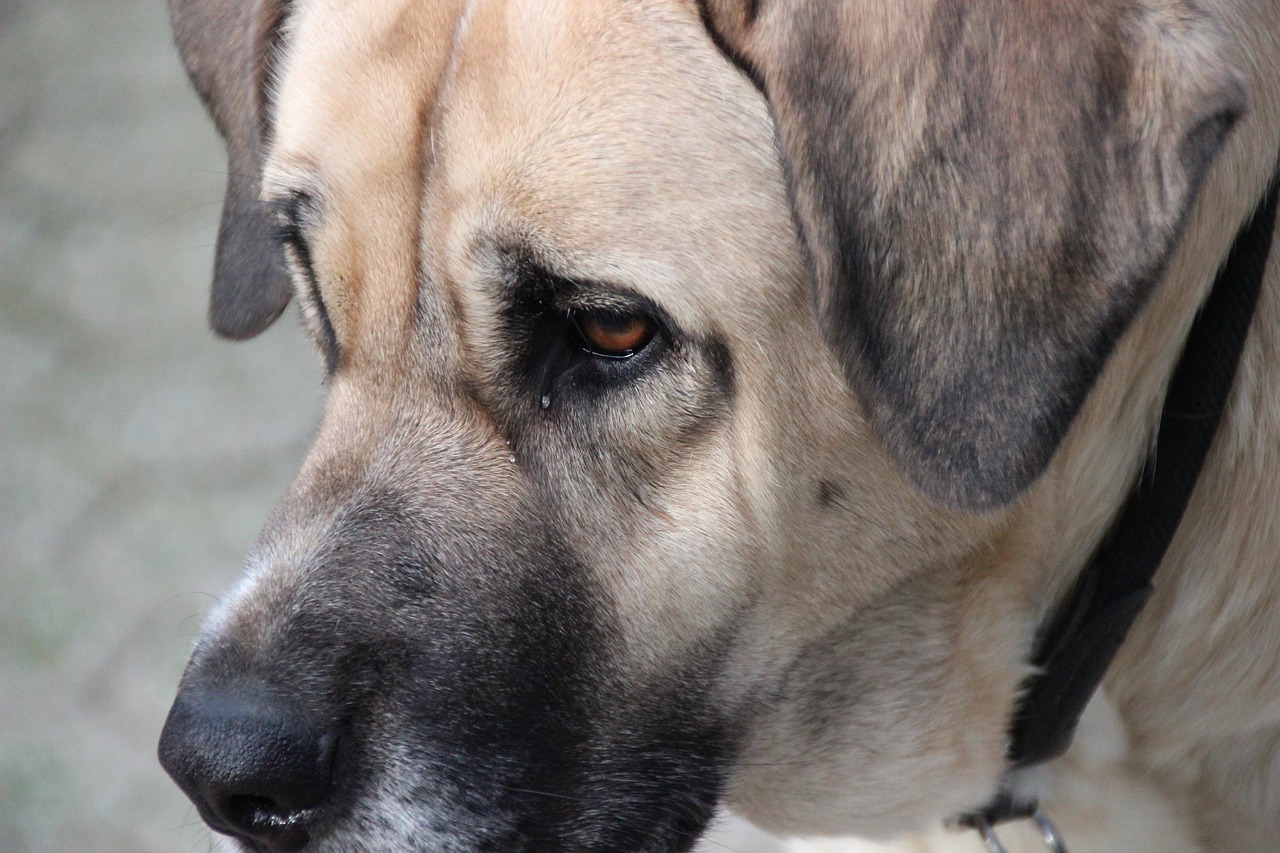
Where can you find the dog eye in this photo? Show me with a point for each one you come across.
(612, 334)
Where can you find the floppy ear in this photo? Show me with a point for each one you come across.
(988, 191)
(226, 46)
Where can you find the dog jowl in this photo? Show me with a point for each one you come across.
(602, 525)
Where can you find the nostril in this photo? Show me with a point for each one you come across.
(261, 817)
(251, 762)
(250, 810)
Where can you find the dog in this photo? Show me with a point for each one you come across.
(721, 397)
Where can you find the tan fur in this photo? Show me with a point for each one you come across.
(615, 140)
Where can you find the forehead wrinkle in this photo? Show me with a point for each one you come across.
(358, 87)
(447, 78)
(452, 306)
(550, 135)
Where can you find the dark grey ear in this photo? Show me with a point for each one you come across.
(226, 46)
(988, 190)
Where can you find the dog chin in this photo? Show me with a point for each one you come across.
(389, 826)
(408, 814)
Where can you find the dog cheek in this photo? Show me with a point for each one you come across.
(870, 729)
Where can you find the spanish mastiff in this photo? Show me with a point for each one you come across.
(720, 397)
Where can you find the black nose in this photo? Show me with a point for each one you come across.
(249, 761)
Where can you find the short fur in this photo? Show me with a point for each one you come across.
(786, 558)
(228, 48)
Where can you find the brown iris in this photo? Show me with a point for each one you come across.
(611, 334)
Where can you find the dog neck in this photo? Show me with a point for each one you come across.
(1076, 645)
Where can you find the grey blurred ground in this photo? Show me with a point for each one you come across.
(138, 455)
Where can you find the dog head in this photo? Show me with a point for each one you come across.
(677, 416)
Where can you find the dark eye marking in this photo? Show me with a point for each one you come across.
(580, 338)
(294, 213)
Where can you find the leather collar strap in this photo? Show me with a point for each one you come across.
(1074, 651)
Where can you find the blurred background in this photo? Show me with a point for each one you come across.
(138, 455)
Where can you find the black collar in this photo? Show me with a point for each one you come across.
(1078, 643)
